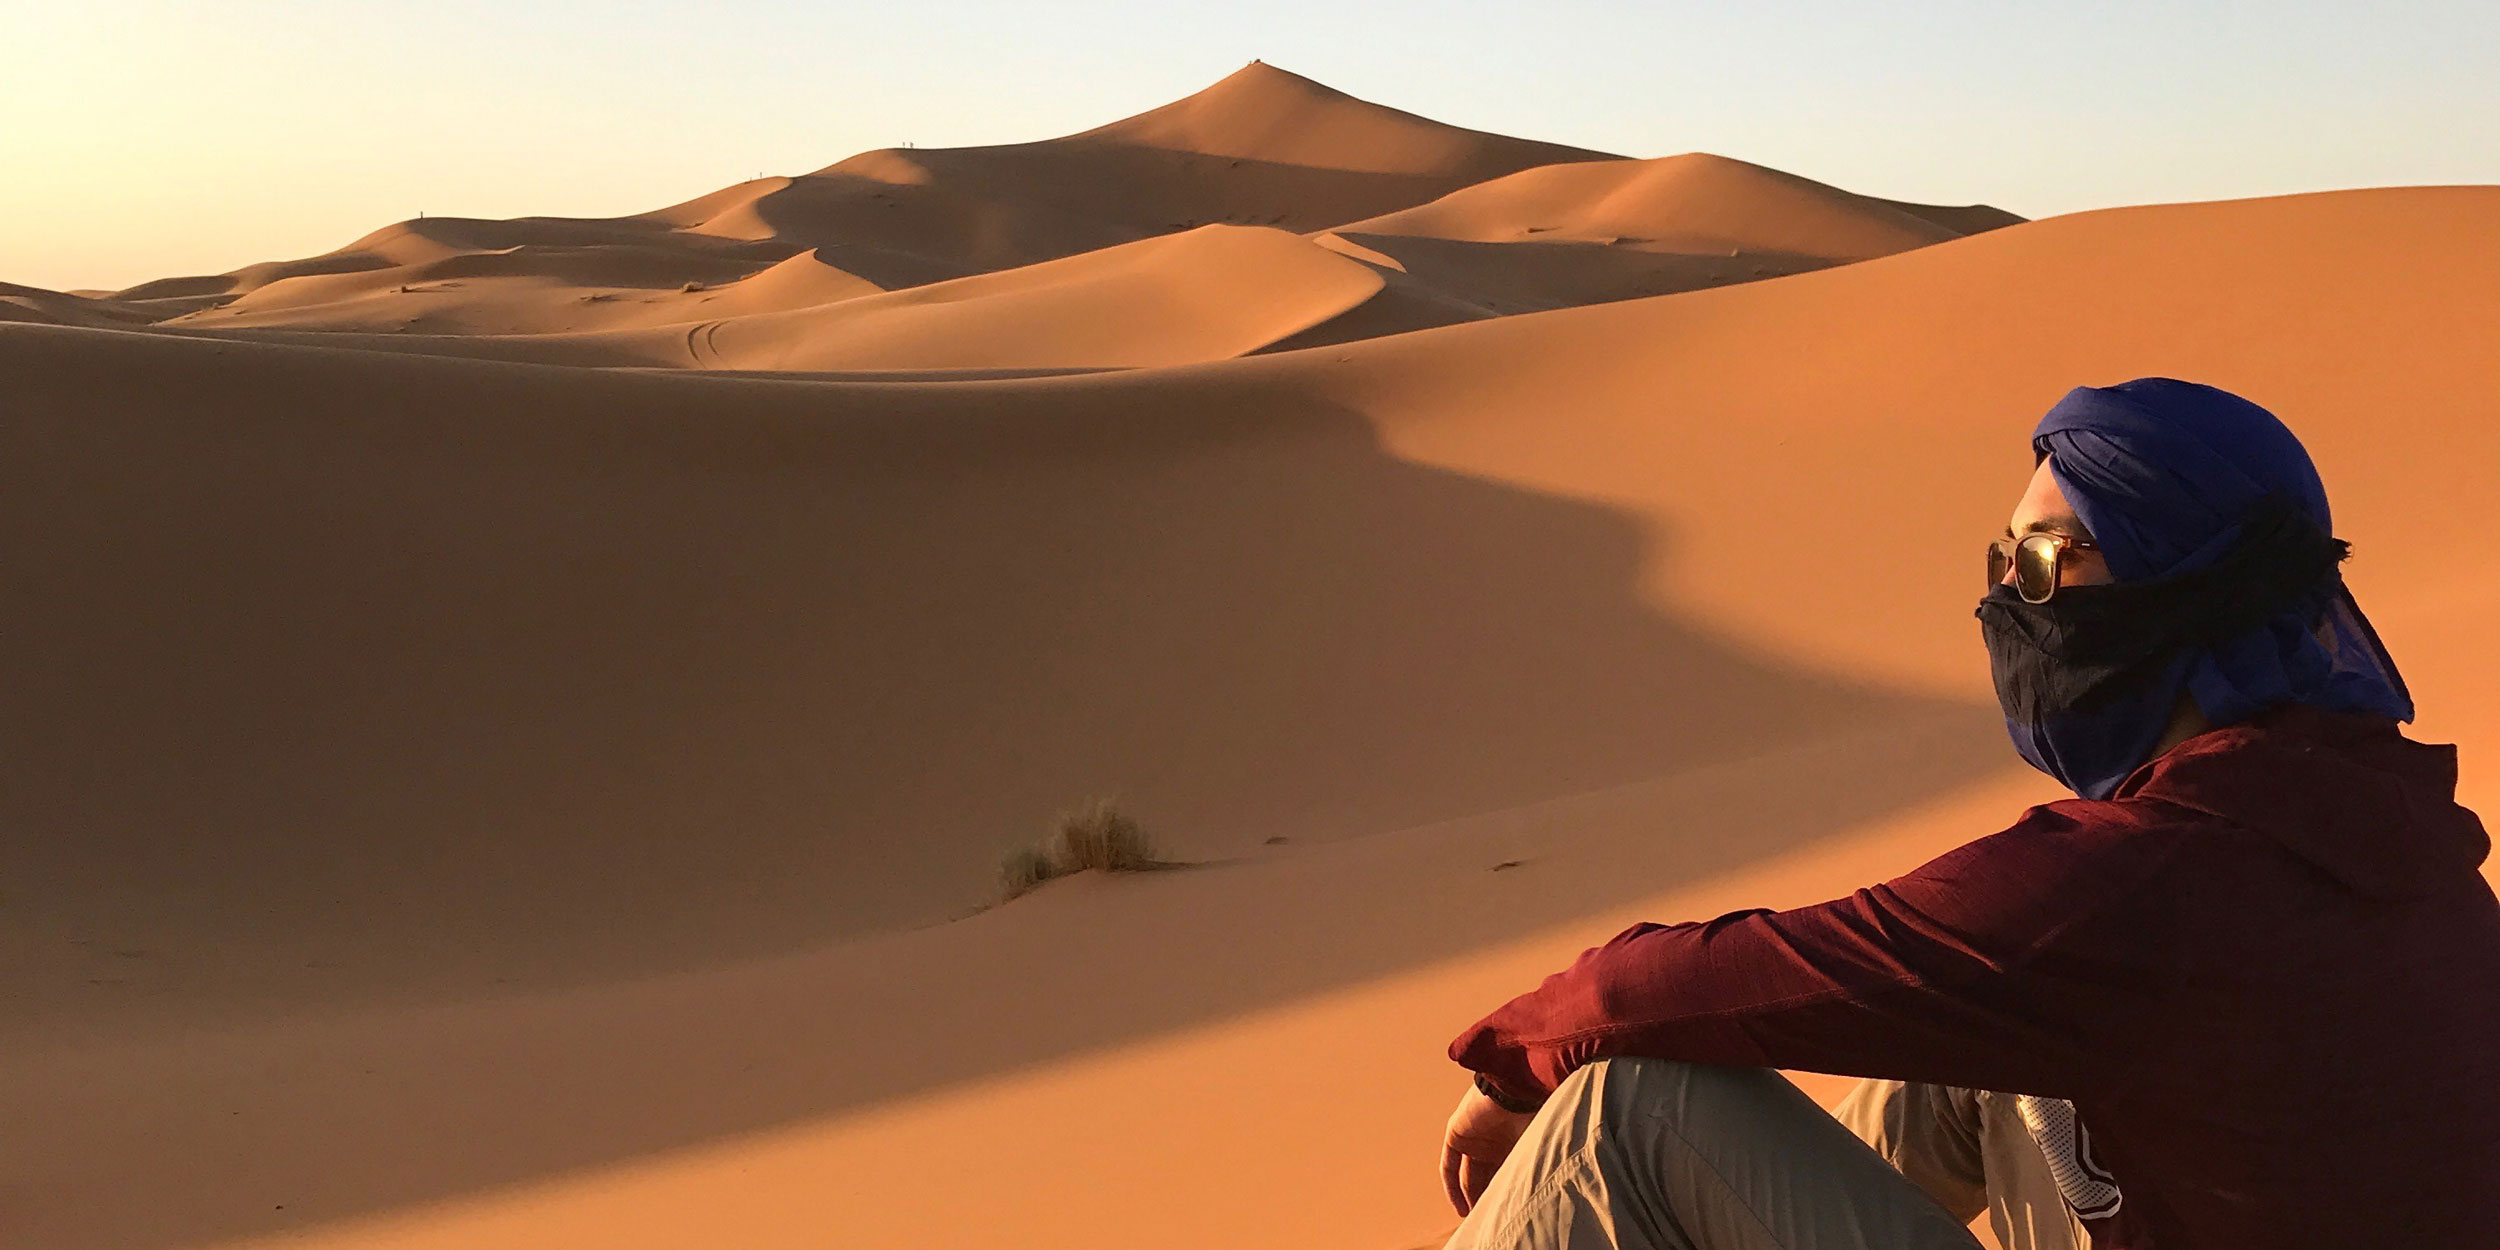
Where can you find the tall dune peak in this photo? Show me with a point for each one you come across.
(1261, 112)
(1259, 84)
(1263, 146)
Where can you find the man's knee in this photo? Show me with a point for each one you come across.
(1624, 1083)
(1604, 1101)
(1589, 1082)
(1619, 1095)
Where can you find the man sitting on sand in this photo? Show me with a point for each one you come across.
(2242, 994)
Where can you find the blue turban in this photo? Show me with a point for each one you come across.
(2164, 474)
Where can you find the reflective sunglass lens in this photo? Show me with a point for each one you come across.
(2035, 568)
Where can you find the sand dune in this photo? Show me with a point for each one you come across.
(64, 308)
(803, 281)
(1609, 230)
(535, 290)
(1697, 203)
(473, 803)
(456, 276)
(1261, 147)
(1043, 255)
(1206, 294)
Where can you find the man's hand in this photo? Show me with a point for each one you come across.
(1479, 1138)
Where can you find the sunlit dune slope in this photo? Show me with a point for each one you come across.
(1607, 230)
(459, 803)
(1205, 294)
(519, 292)
(1696, 203)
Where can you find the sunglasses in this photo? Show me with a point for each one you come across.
(2036, 559)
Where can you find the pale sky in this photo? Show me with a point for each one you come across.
(149, 138)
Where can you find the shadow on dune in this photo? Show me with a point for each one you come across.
(967, 210)
(416, 730)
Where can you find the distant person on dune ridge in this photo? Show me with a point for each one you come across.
(2242, 993)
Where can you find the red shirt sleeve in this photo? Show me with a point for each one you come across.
(2007, 964)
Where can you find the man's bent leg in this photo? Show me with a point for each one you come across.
(1650, 1154)
(1967, 1149)
(1930, 1133)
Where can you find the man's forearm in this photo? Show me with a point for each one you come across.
(1531, 1043)
(1863, 986)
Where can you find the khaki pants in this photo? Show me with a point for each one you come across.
(1970, 1151)
(1651, 1154)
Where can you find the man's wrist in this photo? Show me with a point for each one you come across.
(1504, 1099)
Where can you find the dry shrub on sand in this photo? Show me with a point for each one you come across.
(1097, 837)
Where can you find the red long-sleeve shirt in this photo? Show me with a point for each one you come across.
(2267, 974)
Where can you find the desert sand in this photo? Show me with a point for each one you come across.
(513, 725)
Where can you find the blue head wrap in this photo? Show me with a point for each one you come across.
(2163, 473)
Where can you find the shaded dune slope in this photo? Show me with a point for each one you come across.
(480, 660)
(60, 308)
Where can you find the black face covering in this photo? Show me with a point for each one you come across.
(2087, 681)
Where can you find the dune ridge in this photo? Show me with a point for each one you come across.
(66, 308)
(1261, 147)
(1433, 211)
(1625, 229)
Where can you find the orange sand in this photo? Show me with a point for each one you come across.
(460, 797)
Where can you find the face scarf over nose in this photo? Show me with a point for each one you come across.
(2217, 532)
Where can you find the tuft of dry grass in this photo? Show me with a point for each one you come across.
(1024, 868)
(1097, 837)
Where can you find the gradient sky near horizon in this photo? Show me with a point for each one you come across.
(149, 138)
